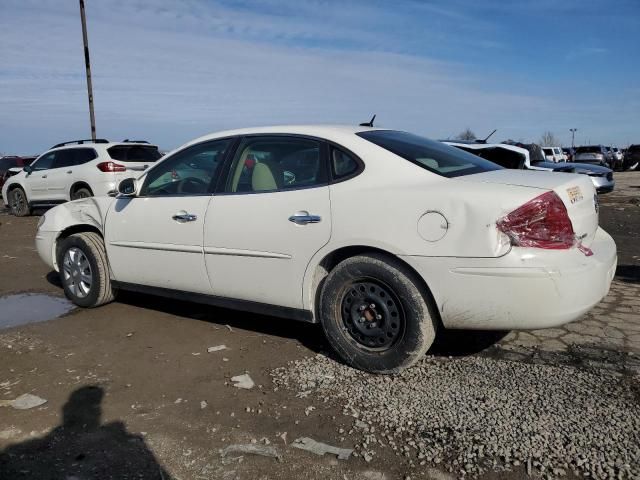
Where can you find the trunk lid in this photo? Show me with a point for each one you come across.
(576, 192)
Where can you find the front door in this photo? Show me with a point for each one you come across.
(272, 217)
(155, 238)
(37, 182)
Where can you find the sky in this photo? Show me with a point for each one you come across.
(171, 70)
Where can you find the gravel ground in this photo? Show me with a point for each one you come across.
(479, 415)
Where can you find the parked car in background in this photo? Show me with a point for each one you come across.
(595, 154)
(9, 162)
(631, 158)
(617, 155)
(531, 157)
(76, 169)
(554, 154)
(568, 153)
(288, 237)
(507, 156)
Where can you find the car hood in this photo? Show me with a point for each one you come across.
(556, 167)
(587, 168)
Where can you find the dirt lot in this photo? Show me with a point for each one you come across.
(133, 393)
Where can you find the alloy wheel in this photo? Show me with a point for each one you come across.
(77, 273)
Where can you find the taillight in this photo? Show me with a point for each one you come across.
(111, 167)
(542, 223)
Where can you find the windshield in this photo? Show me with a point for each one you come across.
(433, 156)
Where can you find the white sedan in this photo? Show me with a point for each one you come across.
(380, 235)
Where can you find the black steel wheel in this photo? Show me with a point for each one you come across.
(372, 314)
(377, 313)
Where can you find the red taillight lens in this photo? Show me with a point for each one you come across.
(111, 167)
(542, 223)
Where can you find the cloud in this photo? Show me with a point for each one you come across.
(172, 70)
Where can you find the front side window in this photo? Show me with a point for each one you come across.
(276, 163)
(45, 162)
(435, 157)
(192, 171)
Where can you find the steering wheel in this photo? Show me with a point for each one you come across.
(192, 185)
(289, 177)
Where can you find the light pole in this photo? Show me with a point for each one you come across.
(573, 136)
(87, 65)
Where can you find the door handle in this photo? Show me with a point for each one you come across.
(302, 218)
(182, 217)
(44, 176)
(69, 171)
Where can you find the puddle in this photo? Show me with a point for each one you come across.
(26, 308)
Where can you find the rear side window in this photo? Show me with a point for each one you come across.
(134, 153)
(435, 157)
(342, 164)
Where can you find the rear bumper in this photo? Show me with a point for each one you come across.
(524, 289)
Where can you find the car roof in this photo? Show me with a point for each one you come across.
(322, 131)
(102, 145)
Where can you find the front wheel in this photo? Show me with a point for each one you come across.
(376, 314)
(84, 271)
(18, 203)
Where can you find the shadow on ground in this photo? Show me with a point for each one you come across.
(628, 273)
(455, 343)
(82, 447)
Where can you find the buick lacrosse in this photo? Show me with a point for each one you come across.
(381, 236)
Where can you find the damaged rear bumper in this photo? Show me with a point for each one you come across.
(525, 289)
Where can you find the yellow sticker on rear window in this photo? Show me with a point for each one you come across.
(575, 195)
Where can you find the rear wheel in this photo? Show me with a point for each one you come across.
(81, 193)
(18, 203)
(375, 315)
(84, 270)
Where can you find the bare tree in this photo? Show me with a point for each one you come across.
(548, 139)
(467, 134)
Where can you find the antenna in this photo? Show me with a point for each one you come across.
(484, 140)
(369, 123)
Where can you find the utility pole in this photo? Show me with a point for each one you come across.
(87, 65)
(573, 136)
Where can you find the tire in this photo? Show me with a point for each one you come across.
(375, 315)
(81, 193)
(84, 270)
(18, 203)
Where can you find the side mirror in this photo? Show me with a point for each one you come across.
(127, 187)
(28, 169)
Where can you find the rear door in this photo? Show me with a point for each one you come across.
(155, 238)
(271, 218)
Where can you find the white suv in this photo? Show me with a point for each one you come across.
(76, 169)
(554, 154)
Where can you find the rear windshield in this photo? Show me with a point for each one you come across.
(6, 163)
(433, 156)
(590, 149)
(134, 153)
